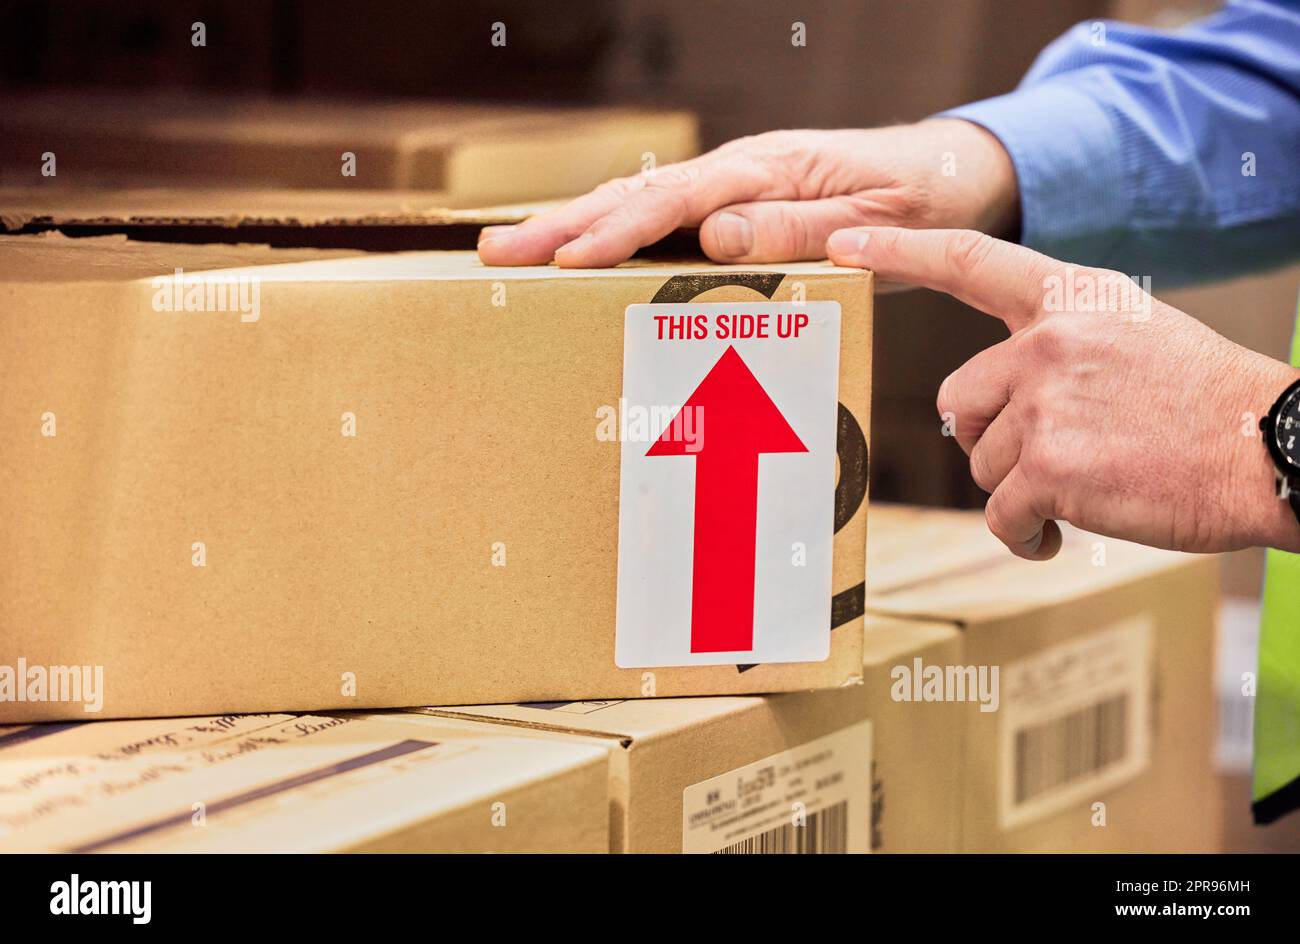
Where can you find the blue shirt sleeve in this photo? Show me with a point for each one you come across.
(1174, 155)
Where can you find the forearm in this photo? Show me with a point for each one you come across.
(1166, 155)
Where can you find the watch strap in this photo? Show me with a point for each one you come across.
(1293, 497)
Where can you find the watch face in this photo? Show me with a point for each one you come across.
(1286, 429)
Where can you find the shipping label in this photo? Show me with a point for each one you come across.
(814, 798)
(1075, 722)
(727, 485)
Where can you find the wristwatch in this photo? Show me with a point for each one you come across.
(1281, 429)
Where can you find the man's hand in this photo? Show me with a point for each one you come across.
(776, 197)
(1105, 408)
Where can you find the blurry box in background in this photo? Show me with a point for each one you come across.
(1105, 656)
(473, 155)
(866, 772)
(279, 783)
(363, 481)
(368, 220)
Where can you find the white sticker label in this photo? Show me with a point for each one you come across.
(812, 798)
(727, 488)
(1075, 722)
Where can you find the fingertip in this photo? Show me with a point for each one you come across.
(521, 245)
(1050, 546)
(846, 246)
(1047, 546)
(577, 253)
(503, 252)
(727, 236)
(494, 232)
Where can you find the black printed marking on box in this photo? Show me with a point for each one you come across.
(1065, 749)
(824, 831)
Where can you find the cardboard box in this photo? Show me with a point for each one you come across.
(308, 505)
(1105, 656)
(278, 783)
(473, 155)
(884, 781)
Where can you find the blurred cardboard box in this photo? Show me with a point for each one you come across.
(370, 220)
(190, 215)
(1106, 700)
(851, 770)
(473, 155)
(279, 783)
(359, 481)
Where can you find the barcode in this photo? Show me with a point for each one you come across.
(825, 831)
(1069, 748)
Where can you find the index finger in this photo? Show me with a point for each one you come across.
(997, 277)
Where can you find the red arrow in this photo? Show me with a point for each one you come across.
(742, 422)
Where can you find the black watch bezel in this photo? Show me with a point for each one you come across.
(1268, 426)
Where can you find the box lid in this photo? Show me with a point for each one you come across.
(942, 564)
(121, 784)
(52, 257)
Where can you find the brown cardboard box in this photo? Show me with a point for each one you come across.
(890, 760)
(278, 783)
(473, 155)
(1105, 657)
(202, 527)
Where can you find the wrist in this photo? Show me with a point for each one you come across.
(1264, 518)
(981, 184)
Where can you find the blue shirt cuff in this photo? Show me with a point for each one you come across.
(1074, 202)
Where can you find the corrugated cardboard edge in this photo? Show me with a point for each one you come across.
(35, 209)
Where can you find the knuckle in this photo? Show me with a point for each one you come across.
(1044, 460)
(1055, 339)
(793, 229)
(968, 251)
(778, 144)
(623, 186)
(996, 516)
(672, 178)
(949, 396)
(980, 471)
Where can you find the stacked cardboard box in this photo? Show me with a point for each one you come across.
(361, 480)
(1005, 706)
(472, 155)
(1104, 735)
(850, 770)
(279, 783)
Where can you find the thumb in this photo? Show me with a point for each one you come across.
(999, 278)
(777, 230)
